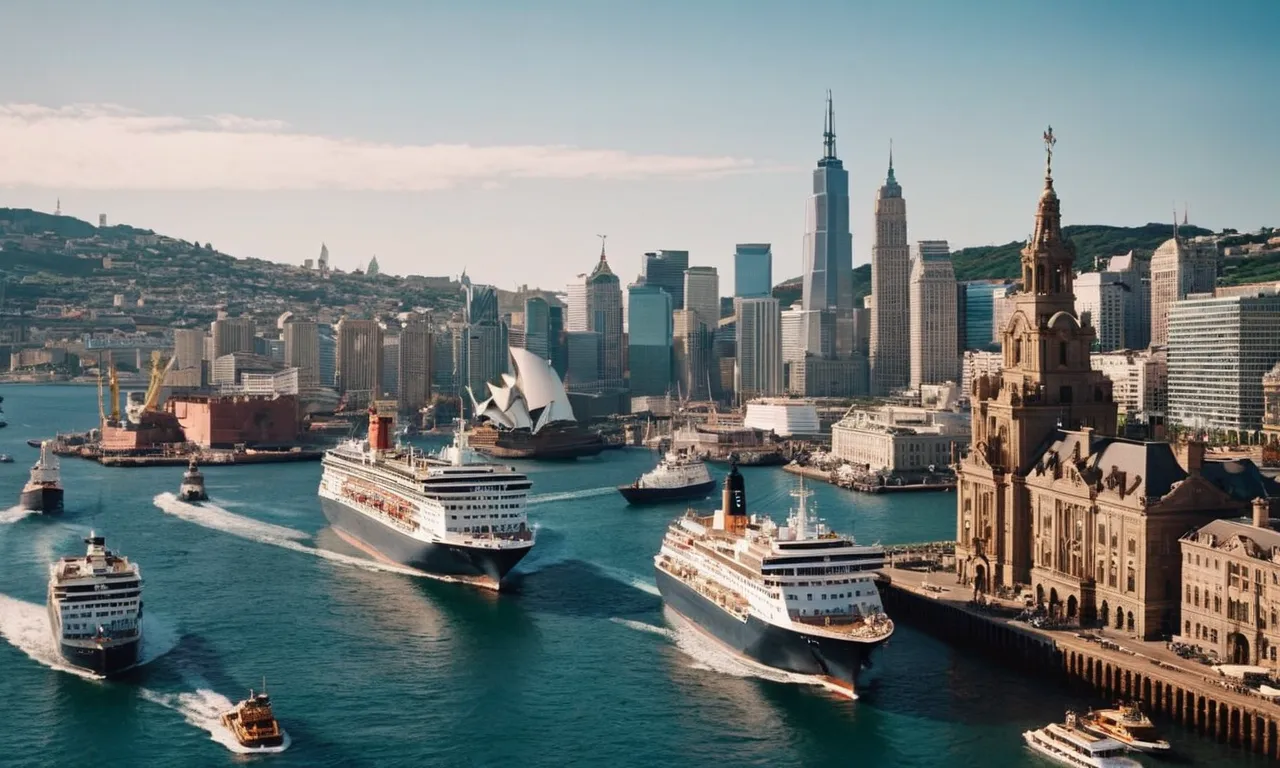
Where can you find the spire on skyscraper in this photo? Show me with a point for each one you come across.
(891, 179)
(602, 239)
(829, 131)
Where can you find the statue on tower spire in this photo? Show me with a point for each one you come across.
(1049, 141)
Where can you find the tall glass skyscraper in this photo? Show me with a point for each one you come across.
(828, 245)
(665, 269)
(753, 270)
(649, 344)
(537, 326)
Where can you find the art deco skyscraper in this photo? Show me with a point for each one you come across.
(933, 355)
(828, 245)
(890, 266)
(604, 316)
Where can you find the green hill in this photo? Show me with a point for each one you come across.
(1091, 241)
(36, 222)
(788, 292)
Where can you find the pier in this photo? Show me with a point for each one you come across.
(1113, 664)
(865, 486)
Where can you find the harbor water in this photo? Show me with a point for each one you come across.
(367, 666)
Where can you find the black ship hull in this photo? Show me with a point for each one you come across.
(44, 499)
(836, 660)
(487, 565)
(639, 496)
(106, 660)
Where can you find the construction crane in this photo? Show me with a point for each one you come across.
(142, 403)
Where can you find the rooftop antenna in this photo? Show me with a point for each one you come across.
(1175, 221)
(1185, 211)
(829, 131)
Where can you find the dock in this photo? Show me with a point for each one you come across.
(861, 486)
(209, 458)
(1112, 663)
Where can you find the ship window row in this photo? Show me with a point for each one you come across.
(483, 506)
(834, 596)
(490, 528)
(97, 597)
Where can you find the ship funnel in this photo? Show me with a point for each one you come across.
(380, 429)
(732, 515)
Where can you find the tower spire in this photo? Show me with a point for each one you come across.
(602, 239)
(1049, 141)
(891, 179)
(829, 131)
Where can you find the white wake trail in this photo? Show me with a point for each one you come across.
(14, 514)
(630, 579)
(203, 708)
(588, 493)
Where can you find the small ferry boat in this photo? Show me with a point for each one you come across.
(43, 491)
(1126, 724)
(679, 475)
(192, 487)
(1068, 743)
(5, 458)
(252, 722)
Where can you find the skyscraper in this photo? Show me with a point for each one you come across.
(1100, 303)
(753, 270)
(556, 352)
(537, 326)
(391, 362)
(665, 269)
(934, 357)
(693, 355)
(575, 312)
(604, 316)
(582, 351)
(759, 348)
(890, 276)
(828, 245)
(413, 375)
(359, 356)
(328, 355)
(302, 351)
(232, 334)
(702, 294)
(188, 348)
(1178, 268)
(649, 339)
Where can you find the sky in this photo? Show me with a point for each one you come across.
(504, 137)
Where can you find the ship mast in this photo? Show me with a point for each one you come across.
(800, 519)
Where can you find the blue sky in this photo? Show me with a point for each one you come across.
(504, 137)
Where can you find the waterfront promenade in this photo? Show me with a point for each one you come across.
(865, 486)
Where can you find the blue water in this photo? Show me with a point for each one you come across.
(578, 665)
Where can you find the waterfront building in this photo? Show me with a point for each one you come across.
(758, 343)
(413, 371)
(1178, 269)
(827, 287)
(896, 439)
(302, 349)
(583, 348)
(693, 355)
(227, 370)
(784, 417)
(359, 356)
(1219, 350)
(232, 334)
(1047, 385)
(665, 269)
(188, 348)
(702, 294)
(753, 270)
(1101, 300)
(537, 326)
(891, 340)
(932, 333)
(649, 339)
(604, 316)
(1230, 597)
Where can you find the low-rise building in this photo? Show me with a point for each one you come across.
(894, 439)
(782, 416)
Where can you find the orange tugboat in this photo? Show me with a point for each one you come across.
(252, 722)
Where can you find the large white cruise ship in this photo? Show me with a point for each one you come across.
(796, 597)
(95, 609)
(450, 514)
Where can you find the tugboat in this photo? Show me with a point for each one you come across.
(95, 609)
(252, 722)
(679, 475)
(1070, 744)
(43, 492)
(192, 488)
(1126, 724)
(5, 458)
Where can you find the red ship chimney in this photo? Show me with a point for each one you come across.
(379, 431)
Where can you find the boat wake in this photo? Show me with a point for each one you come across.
(630, 579)
(218, 519)
(546, 498)
(14, 514)
(203, 708)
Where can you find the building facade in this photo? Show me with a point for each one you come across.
(1133, 271)
(232, 334)
(583, 348)
(188, 348)
(932, 332)
(1101, 300)
(759, 348)
(890, 336)
(414, 369)
(828, 245)
(693, 355)
(893, 439)
(302, 350)
(537, 326)
(359, 356)
(753, 270)
(1178, 269)
(604, 316)
(649, 340)
(665, 269)
(702, 294)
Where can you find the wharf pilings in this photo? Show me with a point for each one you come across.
(1207, 705)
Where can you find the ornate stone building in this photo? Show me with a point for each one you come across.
(1047, 384)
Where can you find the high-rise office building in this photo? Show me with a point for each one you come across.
(1101, 299)
(979, 317)
(665, 269)
(828, 245)
(575, 305)
(582, 351)
(694, 353)
(934, 357)
(604, 316)
(649, 339)
(1219, 350)
(188, 348)
(413, 373)
(391, 362)
(759, 348)
(556, 351)
(702, 294)
(753, 270)
(328, 356)
(232, 334)
(1134, 273)
(302, 351)
(890, 280)
(537, 326)
(1178, 269)
(359, 357)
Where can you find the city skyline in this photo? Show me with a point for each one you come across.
(417, 166)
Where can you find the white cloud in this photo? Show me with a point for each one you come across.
(104, 146)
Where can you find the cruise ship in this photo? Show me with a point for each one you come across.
(43, 491)
(796, 597)
(95, 609)
(679, 475)
(451, 514)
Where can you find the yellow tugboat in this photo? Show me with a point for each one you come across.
(252, 722)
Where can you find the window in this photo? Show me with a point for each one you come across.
(1062, 357)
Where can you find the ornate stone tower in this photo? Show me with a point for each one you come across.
(1047, 384)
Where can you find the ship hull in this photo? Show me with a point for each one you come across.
(836, 660)
(482, 563)
(46, 500)
(192, 493)
(639, 496)
(105, 660)
(551, 443)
